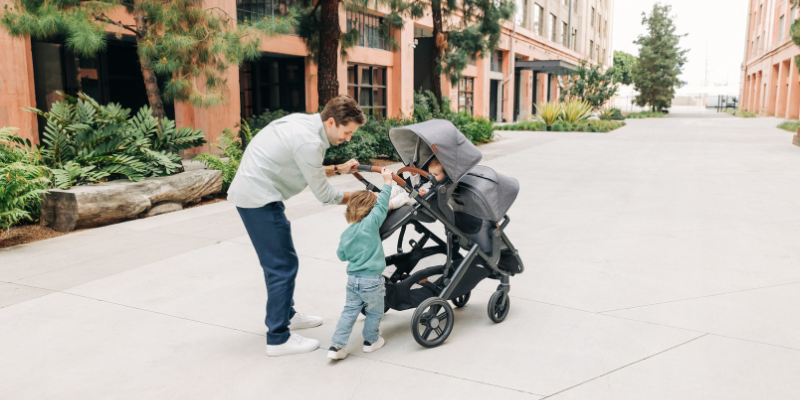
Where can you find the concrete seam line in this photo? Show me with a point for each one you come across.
(700, 297)
(446, 375)
(625, 366)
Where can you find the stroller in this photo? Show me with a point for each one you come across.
(471, 203)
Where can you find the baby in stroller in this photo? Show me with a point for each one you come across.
(400, 197)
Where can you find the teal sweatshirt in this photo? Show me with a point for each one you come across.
(360, 243)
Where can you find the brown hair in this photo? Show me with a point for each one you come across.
(343, 109)
(434, 162)
(359, 205)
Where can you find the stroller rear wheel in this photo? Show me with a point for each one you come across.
(462, 300)
(432, 322)
(499, 304)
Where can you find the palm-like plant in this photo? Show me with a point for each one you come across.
(22, 180)
(549, 113)
(575, 110)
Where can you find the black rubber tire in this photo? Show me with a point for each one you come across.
(497, 312)
(462, 300)
(421, 319)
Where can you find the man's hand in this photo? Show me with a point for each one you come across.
(348, 167)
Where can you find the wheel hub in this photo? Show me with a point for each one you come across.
(434, 322)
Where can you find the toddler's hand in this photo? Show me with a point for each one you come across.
(387, 176)
(422, 192)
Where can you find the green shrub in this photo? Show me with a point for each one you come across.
(611, 113)
(575, 110)
(258, 122)
(645, 114)
(790, 126)
(741, 113)
(548, 113)
(85, 142)
(231, 145)
(23, 180)
(562, 126)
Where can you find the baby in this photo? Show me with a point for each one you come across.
(400, 197)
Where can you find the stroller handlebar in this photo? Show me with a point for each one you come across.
(371, 168)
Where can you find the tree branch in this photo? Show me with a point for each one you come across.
(104, 18)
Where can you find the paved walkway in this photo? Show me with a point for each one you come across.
(663, 262)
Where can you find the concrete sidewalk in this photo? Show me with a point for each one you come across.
(662, 262)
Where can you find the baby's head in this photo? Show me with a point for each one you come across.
(435, 168)
(359, 205)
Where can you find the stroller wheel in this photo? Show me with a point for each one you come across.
(462, 300)
(432, 322)
(499, 304)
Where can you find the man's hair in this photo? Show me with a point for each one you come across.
(343, 109)
(359, 205)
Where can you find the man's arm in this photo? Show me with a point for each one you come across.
(309, 160)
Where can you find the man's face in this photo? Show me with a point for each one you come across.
(438, 172)
(338, 134)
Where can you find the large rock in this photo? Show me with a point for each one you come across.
(120, 200)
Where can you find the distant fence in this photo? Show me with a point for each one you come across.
(717, 102)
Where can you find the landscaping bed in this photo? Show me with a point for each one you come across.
(790, 126)
(560, 126)
(645, 114)
(742, 113)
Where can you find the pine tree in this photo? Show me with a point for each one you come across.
(660, 60)
(477, 33)
(180, 41)
(623, 67)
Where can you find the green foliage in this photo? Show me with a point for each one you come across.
(655, 76)
(575, 110)
(232, 147)
(589, 84)
(791, 126)
(562, 126)
(85, 142)
(623, 67)
(645, 114)
(259, 122)
(23, 180)
(743, 114)
(610, 113)
(548, 113)
(188, 45)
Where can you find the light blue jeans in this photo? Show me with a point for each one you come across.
(361, 290)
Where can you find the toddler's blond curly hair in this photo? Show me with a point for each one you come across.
(359, 205)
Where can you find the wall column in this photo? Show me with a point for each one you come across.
(780, 106)
(793, 108)
(17, 89)
(401, 100)
(772, 97)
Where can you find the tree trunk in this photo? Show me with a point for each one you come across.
(150, 82)
(440, 44)
(329, 32)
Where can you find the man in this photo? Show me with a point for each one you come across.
(279, 163)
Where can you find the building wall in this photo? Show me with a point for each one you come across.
(770, 82)
(17, 80)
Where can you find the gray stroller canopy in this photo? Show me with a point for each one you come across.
(485, 194)
(418, 143)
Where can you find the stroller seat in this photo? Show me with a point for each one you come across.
(395, 219)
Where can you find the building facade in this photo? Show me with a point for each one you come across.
(770, 84)
(502, 86)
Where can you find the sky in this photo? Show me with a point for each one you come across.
(716, 31)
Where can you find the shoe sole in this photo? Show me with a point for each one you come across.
(292, 327)
(373, 349)
(291, 353)
(335, 356)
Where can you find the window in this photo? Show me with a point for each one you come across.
(603, 60)
(575, 39)
(598, 52)
(564, 36)
(538, 19)
(497, 62)
(592, 17)
(760, 13)
(254, 10)
(591, 49)
(575, 5)
(272, 83)
(565, 2)
(367, 26)
(752, 48)
(551, 28)
(520, 11)
(465, 95)
(792, 15)
(471, 61)
(780, 27)
(605, 28)
(758, 44)
(367, 85)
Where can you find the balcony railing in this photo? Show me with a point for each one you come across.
(255, 10)
(367, 26)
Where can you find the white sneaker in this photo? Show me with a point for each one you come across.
(369, 348)
(336, 353)
(300, 321)
(295, 345)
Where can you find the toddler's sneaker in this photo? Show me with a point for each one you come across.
(300, 321)
(336, 353)
(295, 345)
(370, 347)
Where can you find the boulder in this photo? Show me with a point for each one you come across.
(102, 204)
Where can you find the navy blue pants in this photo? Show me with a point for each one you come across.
(271, 235)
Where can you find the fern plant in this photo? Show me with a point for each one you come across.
(23, 180)
(231, 145)
(85, 142)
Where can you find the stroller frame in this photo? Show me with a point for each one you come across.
(431, 312)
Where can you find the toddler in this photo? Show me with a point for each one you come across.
(400, 197)
(360, 245)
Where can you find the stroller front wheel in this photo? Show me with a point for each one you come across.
(432, 322)
(499, 304)
(462, 300)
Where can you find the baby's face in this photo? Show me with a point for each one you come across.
(438, 173)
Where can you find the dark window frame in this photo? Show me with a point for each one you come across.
(467, 92)
(368, 26)
(357, 84)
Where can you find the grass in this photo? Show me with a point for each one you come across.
(645, 114)
(741, 113)
(790, 126)
(561, 126)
